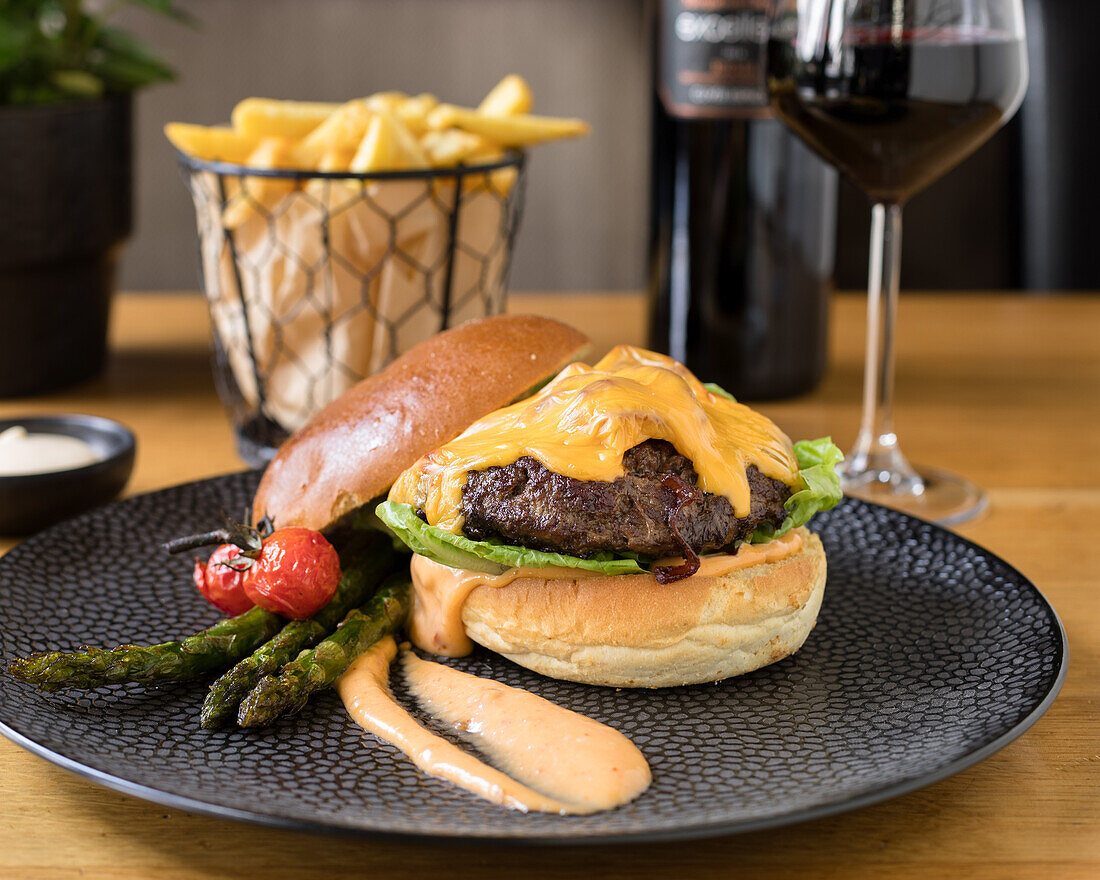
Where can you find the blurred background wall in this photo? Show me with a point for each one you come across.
(584, 225)
(1007, 217)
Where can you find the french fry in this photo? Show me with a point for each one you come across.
(452, 146)
(330, 191)
(414, 112)
(334, 137)
(386, 102)
(502, 180)
(388, 145)
(211, 143)
(335, 159)
(261, 194)
(264, 117)
(508, 97)
(508, 131)
(343, 130)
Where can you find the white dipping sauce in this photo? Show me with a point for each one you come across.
(24, 453)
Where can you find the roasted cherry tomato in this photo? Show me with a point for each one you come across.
(295, 575)
(221, 580)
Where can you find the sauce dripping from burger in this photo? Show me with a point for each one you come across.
(553, 760)
(582, 423)
(439, 592)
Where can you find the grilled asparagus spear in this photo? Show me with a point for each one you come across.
(211, 650)
(318, 668)
(364, 563)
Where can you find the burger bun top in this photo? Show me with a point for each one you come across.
(352, 450)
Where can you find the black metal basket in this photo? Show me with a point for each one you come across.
(317, 279)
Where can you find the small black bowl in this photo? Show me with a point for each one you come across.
(29, 502)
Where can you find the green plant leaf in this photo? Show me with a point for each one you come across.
(54, 51)
(78, 83)
(126, 64)
(15, 41)
(168, 9)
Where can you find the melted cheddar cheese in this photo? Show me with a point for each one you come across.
(586, 418)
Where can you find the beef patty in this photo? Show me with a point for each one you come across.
(655, 509)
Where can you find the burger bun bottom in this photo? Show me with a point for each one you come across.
(630, 631)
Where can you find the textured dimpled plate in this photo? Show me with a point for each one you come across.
(929, 654)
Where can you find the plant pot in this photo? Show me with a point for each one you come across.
(65, 194)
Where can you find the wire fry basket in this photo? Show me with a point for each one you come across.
(316, 280)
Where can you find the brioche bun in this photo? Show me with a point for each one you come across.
(354, 448)
(630, 631)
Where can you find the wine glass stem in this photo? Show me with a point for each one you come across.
(876, 457)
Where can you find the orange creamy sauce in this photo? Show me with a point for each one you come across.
(551, 759)
(439, 591)
(585, 419)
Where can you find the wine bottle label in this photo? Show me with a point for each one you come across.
(710, 58)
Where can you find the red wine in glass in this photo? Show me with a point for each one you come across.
(897, 114)
(895, 93)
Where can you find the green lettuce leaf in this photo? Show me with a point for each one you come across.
(494, 557)
(715, 388)
(819, 486)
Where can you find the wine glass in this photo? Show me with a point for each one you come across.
(895, 93)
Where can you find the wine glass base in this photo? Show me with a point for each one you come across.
(939, 496)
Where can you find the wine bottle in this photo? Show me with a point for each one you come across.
(742, 216)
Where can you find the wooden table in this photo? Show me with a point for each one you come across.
(1004, 389)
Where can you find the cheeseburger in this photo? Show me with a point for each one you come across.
(625, 525)
(618, 524)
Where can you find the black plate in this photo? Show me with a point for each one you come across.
(929, 655)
